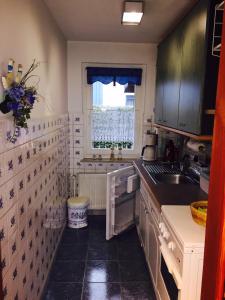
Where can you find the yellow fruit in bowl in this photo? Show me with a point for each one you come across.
(199, 212)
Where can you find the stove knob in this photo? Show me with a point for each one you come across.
(162, 227)
(171, 246)
(166, 234)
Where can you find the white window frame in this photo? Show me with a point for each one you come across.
(87, 108)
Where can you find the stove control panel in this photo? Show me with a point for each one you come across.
(164, 232)
(171, 246)
(170, 242)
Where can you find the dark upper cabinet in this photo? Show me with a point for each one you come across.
(184, 65)
(160, 86)
(172, 73)
(193, 63)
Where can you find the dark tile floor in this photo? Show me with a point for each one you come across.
(88, 267)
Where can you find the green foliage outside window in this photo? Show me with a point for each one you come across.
(108, 145)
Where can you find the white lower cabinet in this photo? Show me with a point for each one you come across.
(148, 233)
(143, 222)
(152, 248)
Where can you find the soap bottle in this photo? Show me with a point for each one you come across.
(119, 153)
(112, 155)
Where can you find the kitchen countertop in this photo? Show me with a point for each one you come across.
(170, 194)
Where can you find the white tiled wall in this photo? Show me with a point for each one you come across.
(76, 137)
(33, 192)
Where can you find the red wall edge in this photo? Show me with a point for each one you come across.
(214, 256)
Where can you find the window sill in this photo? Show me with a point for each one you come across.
(108, 160)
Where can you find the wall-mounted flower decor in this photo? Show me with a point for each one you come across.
(18, 96)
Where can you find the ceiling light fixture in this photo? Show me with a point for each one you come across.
(132, 13)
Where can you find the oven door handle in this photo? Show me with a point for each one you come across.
(170, 266)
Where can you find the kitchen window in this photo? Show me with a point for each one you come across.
(113, 110)
(112, 116)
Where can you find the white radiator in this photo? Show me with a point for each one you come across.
(94, 187)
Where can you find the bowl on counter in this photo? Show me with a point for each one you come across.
(199, 212)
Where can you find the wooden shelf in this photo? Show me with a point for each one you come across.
(187, 134)
(108, 160)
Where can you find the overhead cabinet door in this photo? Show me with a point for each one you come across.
(187, 73)
(193, 69)
(172, 75)
(160, 78)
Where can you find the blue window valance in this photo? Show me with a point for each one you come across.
(119, 75)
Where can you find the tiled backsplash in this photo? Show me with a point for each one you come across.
(76, 137)
(33, 193)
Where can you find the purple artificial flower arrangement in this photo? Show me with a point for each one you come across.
(18, 97)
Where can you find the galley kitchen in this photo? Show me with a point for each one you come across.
(112, 150)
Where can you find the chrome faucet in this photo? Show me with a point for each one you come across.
(185, 163)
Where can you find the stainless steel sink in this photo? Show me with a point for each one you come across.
(171, 179)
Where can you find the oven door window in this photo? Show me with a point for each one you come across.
(171, 287)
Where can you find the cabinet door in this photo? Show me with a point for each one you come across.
(168, 80)
(152, 248)
(142, 221)
(172, 65)
(160, 85)
(192, 68)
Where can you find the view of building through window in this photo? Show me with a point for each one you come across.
(113, 116)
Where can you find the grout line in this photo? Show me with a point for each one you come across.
(47, 279)
(85, 268)
(120, 277)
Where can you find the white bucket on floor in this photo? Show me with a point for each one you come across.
(77, 212)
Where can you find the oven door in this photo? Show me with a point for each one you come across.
(171, 282)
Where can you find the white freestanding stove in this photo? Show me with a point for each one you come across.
(182, 249)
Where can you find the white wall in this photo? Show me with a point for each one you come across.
(28, 31)
(118, 53)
